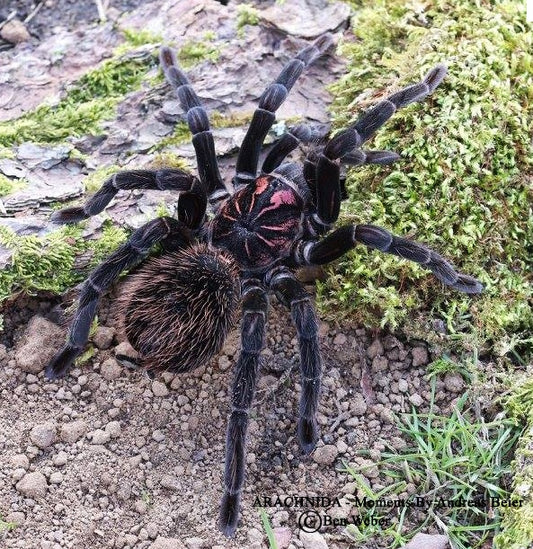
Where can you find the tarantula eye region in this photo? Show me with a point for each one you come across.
(177, 309)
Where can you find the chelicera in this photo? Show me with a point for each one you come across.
(178, 306)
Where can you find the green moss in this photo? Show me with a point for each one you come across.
(517, 526)
(97, 178)
(90, 100)
(8, 185)
(461, 186)
(193, 52)
(246, 15)
(168, 159)
(48, 263)
(179, 135)
(139, 37)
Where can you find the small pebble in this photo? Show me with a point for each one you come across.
(159, 389)
(103, 338)
(454, 382)
(100, 437)
(43, 435)
(73, 431)
(111, 369)
(325, 455)
(32, 485)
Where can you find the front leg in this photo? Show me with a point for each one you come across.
(99, 281)
(192, 201)
(345, 238)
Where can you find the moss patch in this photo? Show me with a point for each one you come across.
(517, 526)
(8, 185)
(461, 186)
(48, 263)
(195, 51)
(87, 103)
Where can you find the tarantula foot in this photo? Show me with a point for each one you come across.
(468, 285)
(229, 514)
(69, 215)
(307, 434)
(61, 363)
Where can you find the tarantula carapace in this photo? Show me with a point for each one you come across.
(178, 307)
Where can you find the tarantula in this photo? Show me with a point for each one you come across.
(178, 307)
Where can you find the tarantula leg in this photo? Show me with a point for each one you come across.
(197, 120)
(292, 294)
(101, 278)
(191, 205)
(345, 238)
(254, 306)
(272, 98)
(288, 142)
(345, 144)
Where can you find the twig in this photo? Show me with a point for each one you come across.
(12, 15)
(33, 13)
(102, 6)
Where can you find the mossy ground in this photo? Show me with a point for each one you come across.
(463, 186)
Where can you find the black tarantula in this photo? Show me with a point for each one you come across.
(178, 307)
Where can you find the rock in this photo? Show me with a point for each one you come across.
(313, 540)
(326, 455)
(380, 364)
(110, 369)
(420, 356)
(39, 343)
(34, 156)
(100, 437)
(320, 17)
(358, 405)
(20, 461)
(426, 541)
(127, 355)
(32, 485)
(170, 482)
(159, 389)
(195, 543)
(56, 478)
(416, 400)
(60, 459)
(340, 339)
(403, 386)
(113, 428)
(43, 435)
(15, 31)
(73, 431)
(167, 543)
(454, 382)
(283, 536)
(376, 349)
(124, 491)
(17, 518)
(103, 338)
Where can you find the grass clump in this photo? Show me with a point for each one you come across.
(462, 184)
(458, 463)
(6, 526)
